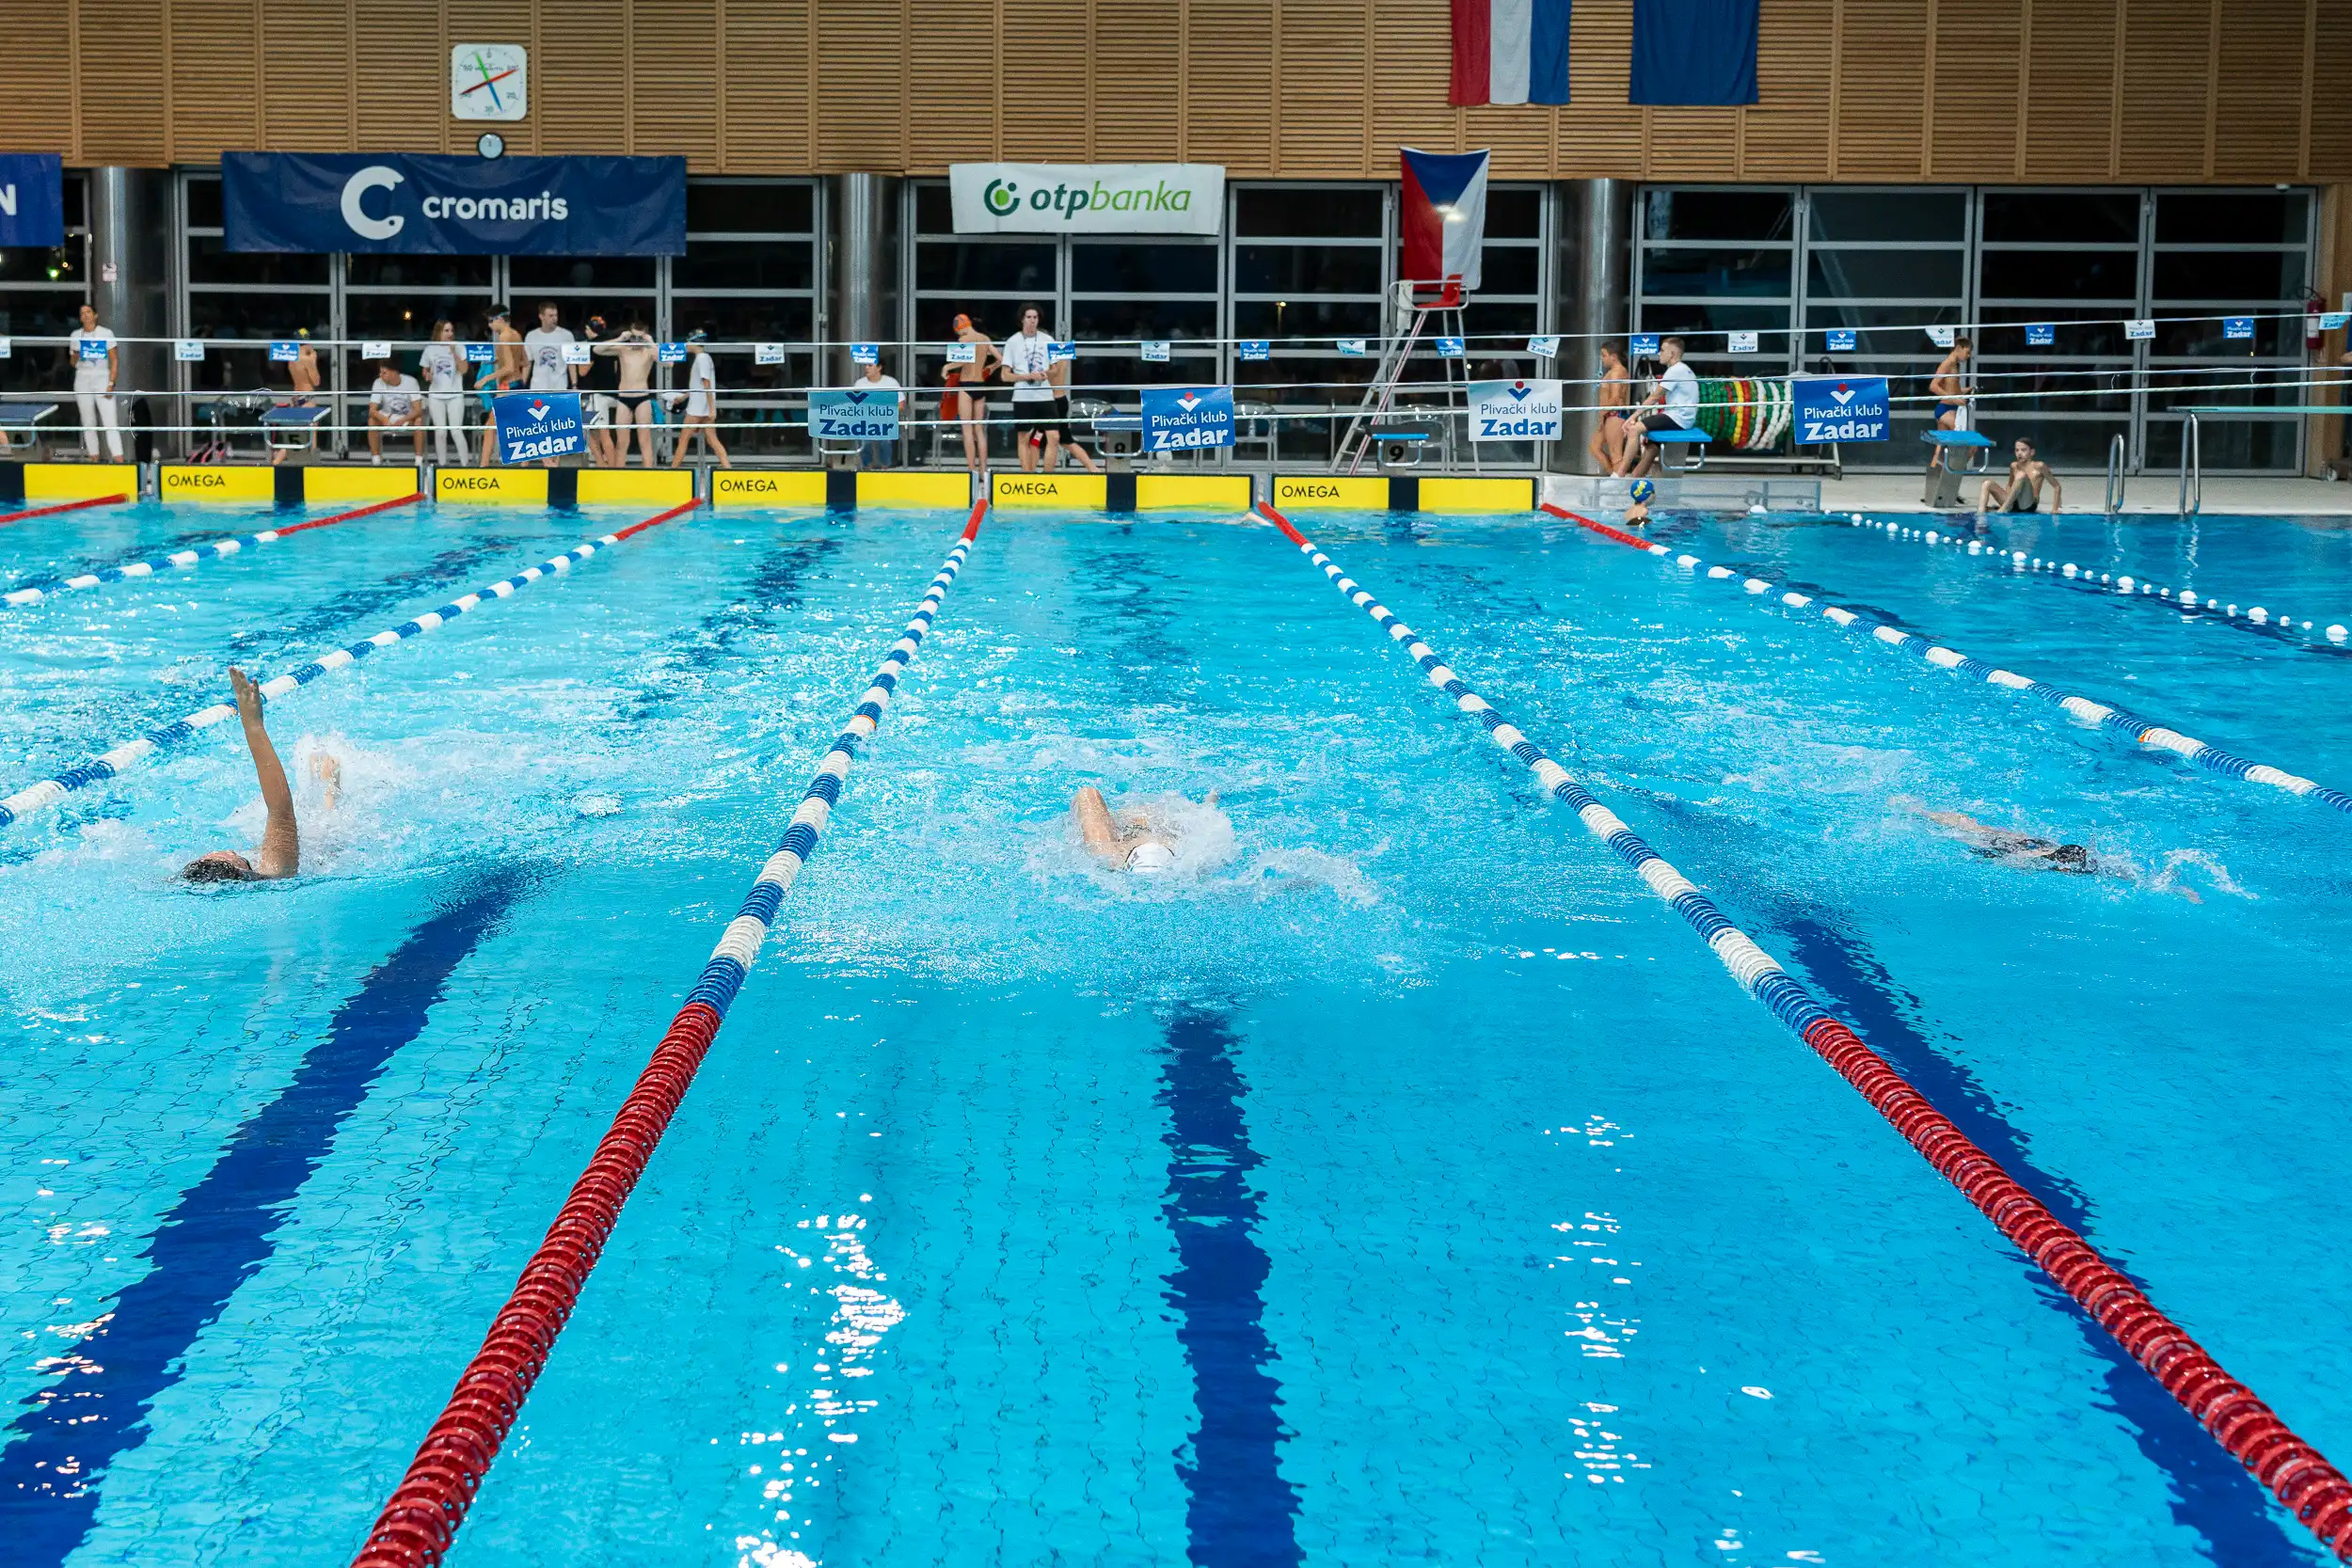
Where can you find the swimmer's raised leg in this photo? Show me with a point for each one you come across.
(327, 770)
(281, 844)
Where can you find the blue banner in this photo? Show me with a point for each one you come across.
(1694, 52)
(32, 200)
(538, 424)
(1841, 342)
(1184, 419)
(1840, 408)
(2237, 326)
(2041, 335)
(1645, 345)
(421, 204)
(858, 414)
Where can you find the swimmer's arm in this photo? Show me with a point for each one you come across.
(1096, 827)
(2057, 491)
(281, 844)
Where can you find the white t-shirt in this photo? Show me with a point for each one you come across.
(439, 364)
(1025, 354)
(884, 382)
(91, 375)
(395, 402)
(702, 385)
(1681, 384)
(548, 373)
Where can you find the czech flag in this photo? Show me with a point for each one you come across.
(1444, 213)
(1510, 51)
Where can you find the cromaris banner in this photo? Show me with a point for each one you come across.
(1515, 410)
(1183, 419)
(32, 200)
(1847, 408)
(854, 415)
(1443, 209)
(415, 204)
(1087, 199)
(538, 424)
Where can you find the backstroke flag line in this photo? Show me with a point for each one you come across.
(1444, 216)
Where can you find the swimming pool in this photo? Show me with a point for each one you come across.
(1399, 1181)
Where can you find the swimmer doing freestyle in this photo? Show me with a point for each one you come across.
(1139, 846)
(280, 854)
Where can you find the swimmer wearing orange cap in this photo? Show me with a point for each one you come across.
(969, 385)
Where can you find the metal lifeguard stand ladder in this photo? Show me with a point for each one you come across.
(1392, 440)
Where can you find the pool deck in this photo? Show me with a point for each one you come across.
(2150, 492)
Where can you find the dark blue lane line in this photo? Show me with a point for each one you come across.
(1239, 1512)
(94, 1409)
(2212, 1494)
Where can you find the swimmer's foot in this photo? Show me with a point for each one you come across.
(327, 770)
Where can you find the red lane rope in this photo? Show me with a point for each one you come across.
(409, 500)
(2296, 1473)
(62, 506)
(421, 1520)
(635, 529)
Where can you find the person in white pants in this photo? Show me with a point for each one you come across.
(445, 392)
(95, 363)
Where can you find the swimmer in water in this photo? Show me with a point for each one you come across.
(280, 854)
(1139, 846)
(2021, 850)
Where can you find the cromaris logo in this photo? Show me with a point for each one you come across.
(376, 177)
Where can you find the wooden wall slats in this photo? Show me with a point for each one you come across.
(2069, 104)
(1882, 103)
(2058, 91)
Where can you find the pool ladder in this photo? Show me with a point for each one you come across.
(2192, 468)
(2115, 474)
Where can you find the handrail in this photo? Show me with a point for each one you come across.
(2192, 499)
(2115, 474)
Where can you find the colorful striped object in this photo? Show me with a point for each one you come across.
(2120, 720)
(182, 558)
(421, 1518)
(2298, 1474)
(48, 792)
(1744, 415)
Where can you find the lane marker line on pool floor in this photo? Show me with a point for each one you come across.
(48, 792)
(63, 506)
(2126, 585)
(422, 1516)
(2301, 1477)
(2104, 716)
(51, 588)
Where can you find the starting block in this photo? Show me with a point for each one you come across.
(295, 426)
(1692, 441)
(1974, 449)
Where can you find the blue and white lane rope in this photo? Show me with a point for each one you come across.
(185, 559)
(2100, 715)
(2124, 584)
(732, 959)
(48, 792)
(2293, 1471)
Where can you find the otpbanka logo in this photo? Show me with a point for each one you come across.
(1003, 198)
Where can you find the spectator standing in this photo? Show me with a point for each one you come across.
(1028, 365)
(633, 352)
(445, 392)
(304, 373)
(1058, 371)
(598, 380)
(508, 369)
(394, 402)
(702, 403)
(96, 364)
(879, 454)
(1675, 406)
(544, 345)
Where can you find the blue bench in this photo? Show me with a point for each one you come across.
(1694, 441)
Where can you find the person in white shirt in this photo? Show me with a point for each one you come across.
(1675, 406)
(96, 364)
(879, 454)
(702, 403)
(445, 392)
(394, 402)
(543, 346)
(1028, 365)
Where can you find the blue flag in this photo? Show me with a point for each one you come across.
(1184, 419)
(32, 200)
(1694, 52)
(538, 424)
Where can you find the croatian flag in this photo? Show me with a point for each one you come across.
(1510, 51)
(1444, 213)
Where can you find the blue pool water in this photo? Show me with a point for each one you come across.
(1397, 1181)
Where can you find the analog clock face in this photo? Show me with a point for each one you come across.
(489, 80)
(490, 144)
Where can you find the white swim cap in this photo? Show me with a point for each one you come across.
(1151, 855)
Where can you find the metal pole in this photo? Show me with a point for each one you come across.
(1595, 266)
(130, 276)
(2116, 463)
(865, 267)
(2192, 469)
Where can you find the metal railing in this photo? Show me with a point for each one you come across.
(2116, 475)
(2192, 468)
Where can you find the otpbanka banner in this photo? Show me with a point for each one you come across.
(1087, 199)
